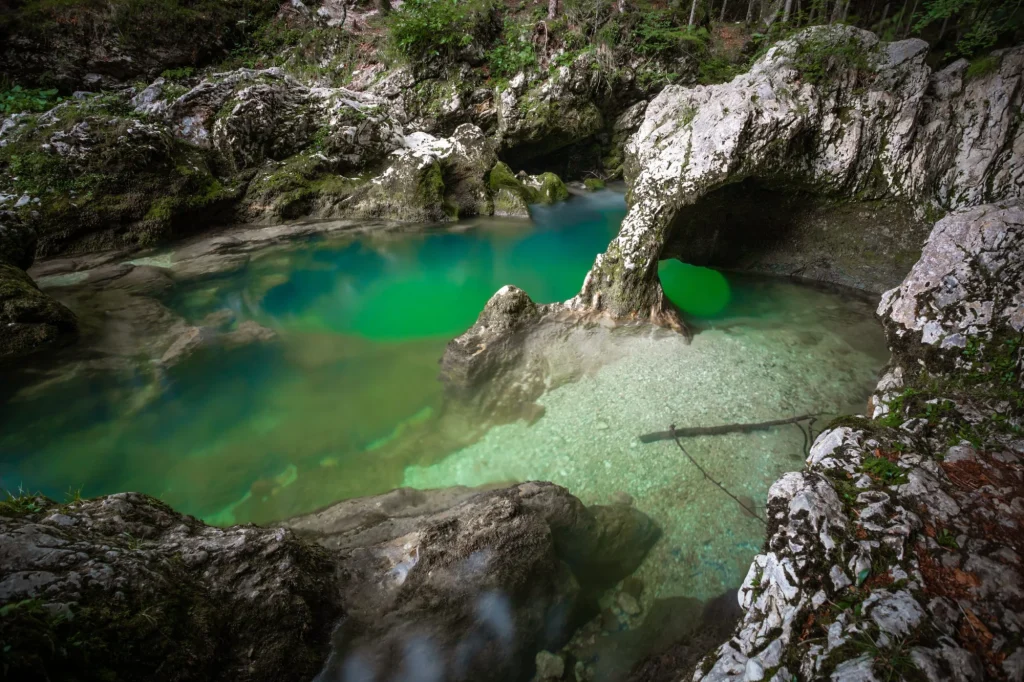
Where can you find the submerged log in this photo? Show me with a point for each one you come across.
(722, 429)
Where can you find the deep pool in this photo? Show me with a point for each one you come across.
(268, 431)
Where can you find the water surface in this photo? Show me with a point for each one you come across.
(345, 402)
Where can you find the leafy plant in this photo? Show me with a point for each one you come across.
(179, 73)
(432, 29)
(515, 52)
(945, 538)
(883, 470)
(17, 99)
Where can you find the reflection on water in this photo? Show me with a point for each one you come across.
(345, 402)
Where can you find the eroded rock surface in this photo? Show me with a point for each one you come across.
(832, 110)
(30, 321)
(471, 584)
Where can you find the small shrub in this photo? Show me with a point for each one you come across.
(516, 51)
(431, 29)
(883, 470)
(178, 74)
(17, 99)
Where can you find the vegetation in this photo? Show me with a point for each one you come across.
(423, 30)
(16, 99)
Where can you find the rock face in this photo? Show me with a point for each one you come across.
(29, 319)
(535, 119)
(897, 551)
(81, 45)
(459, 583)
(947, 301)
(492, 373)
(832, 111)
(129, 170)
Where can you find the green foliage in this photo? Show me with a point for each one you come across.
(718, 70)
(979, 25)
(17, 99)
(424, 30)
(946, 539)
(21, 502)
(819, 60)
(660, 33)
(178, 74)
(515, 52)
(982, 67)
(883, 470)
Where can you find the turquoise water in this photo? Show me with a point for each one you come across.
(346, 402)
(362, 323)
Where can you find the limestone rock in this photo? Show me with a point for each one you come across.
(472, 585)
(538, 118)
(918, 137)
(968, 284)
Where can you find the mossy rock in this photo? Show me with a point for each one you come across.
(593, 184)
(509, 204)
(303, 185)
(30, 321)
(547, 188)
(412, 189)
(107, 179)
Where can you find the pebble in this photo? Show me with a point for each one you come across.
(628, 604)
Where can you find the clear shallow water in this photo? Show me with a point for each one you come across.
(345, 402)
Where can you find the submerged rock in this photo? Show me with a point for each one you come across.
(467, 584)
(833, 111)
(30, 321)
(482, 367)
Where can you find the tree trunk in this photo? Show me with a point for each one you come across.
(885, 14)
(552, 9)
(693, 13)
(750, 12)
(786, 11)
(721, 17)
(846, 10)
(910, 20)
(622, 6)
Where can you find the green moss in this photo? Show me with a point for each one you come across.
(883, 470)
(821, 61)
(551, 189)
(982, 66)
(593, 184)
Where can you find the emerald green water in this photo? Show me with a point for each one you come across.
(346, 401)
(362, 323)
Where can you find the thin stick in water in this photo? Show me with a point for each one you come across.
(672, 430)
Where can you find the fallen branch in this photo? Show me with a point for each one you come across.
(723, 429)
(675, 437)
